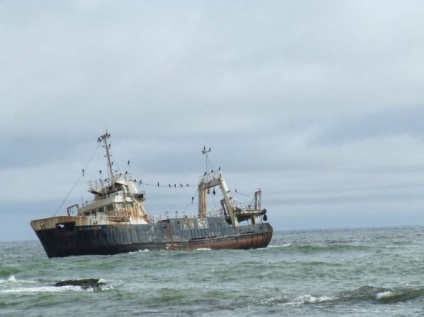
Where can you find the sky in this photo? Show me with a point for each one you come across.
(318, 103)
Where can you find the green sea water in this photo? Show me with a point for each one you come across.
(344, 272)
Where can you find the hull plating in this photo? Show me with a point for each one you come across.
(172, 234)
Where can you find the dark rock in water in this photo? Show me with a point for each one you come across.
(83, 283)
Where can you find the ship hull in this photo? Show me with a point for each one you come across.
(71, 236)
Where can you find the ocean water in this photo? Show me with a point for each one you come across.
(349, 272)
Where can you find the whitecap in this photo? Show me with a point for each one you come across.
(12, 279)
(104, 287)
(386, 294)
(139, 251)
(279, 246)
(309, 299)
(204, 249)
(41, 289)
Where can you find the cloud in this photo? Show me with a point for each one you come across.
(393, 122)
(301, 99)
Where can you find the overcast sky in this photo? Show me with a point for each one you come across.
(318, 103)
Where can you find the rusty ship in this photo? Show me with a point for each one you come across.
(115, 221)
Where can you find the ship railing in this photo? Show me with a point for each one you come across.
(139, 195)
(182, 215)
(208, 177)
(72, 210)
(242, 206)
(98, 185)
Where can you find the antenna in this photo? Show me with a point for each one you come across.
(205, 153)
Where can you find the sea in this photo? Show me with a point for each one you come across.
(334, 272)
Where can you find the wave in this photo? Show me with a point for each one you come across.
(139, 251)
(383, 295)
(329, 248)
(400, 296)
(362, 295)
(285, 300)
(279, 246)
(40, 289)
(12, 280)
(8, 270)
(309, 299)
(14, 286)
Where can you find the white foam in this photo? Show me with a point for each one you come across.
(145, 250)
(386, 294)
(41, 289)
(139, 251)
(11, 278)
(280, 246)
(204, 249)
(309, 299)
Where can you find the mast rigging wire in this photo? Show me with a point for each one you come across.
(79, 178)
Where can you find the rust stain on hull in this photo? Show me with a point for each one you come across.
(71, 239)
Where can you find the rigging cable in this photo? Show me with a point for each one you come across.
(166, 186)
(81, 175)
(192, 201)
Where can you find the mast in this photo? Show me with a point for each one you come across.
(235, 212)
(104, 139)
(210, 180)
